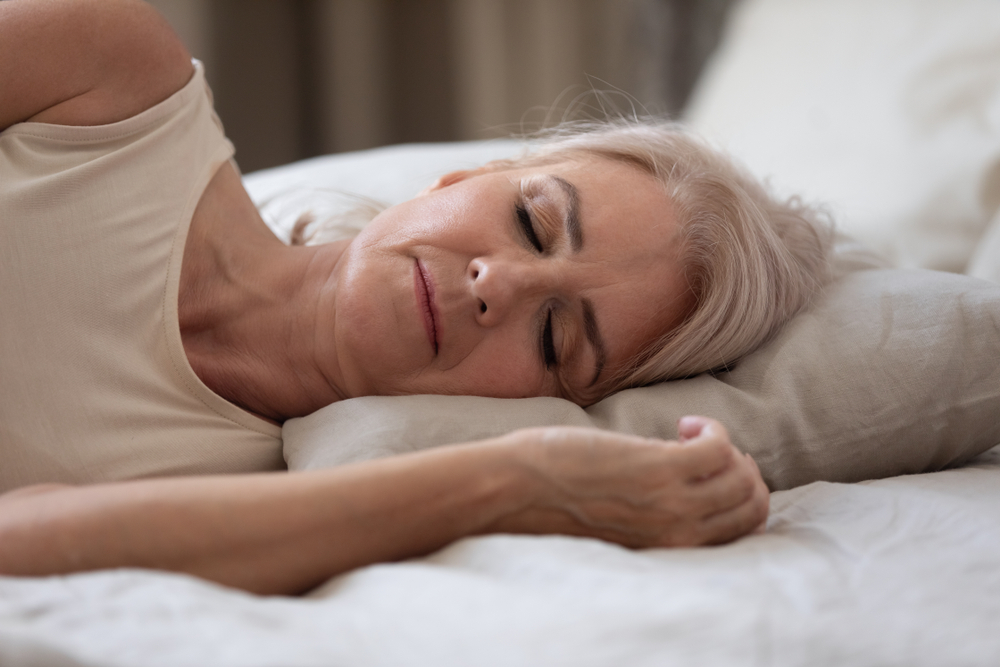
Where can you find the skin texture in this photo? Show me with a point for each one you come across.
(494, 290)
(283, 331)
(75, 74)
(287, 532)
(256, 318)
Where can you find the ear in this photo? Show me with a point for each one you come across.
(451, 178)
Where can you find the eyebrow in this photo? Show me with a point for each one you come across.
(572, 219)
(575, 232)
(594, 336)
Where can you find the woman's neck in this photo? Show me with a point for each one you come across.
(248, 310)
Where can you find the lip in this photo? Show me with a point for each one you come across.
(424, 287)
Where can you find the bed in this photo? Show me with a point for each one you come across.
(875, 416)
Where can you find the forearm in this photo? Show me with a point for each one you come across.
(268, 533)
(283, 533)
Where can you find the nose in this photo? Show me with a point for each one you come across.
(500, 285)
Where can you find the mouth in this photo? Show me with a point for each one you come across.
(425, 302)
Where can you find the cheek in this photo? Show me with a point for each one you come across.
(437, 219)
(499, 368)
(376, 342)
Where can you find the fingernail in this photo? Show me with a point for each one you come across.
(691, 426)
(689, 421)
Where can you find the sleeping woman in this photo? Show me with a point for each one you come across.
(155, 333)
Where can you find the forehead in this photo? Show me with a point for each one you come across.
(604, 181)
(617, 201)
(615, 198)
(625, 213)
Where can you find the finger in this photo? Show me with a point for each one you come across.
(762, 527)
(741, 520)
(690, 426)
(756, 467)
(702, 427)
(703, 457)
(754, 462)
(725, 490)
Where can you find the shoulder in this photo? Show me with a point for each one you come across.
(86, 62)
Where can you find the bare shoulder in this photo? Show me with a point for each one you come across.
(85, 62)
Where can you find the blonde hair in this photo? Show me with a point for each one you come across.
(751, 261)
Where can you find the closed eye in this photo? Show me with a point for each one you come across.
(548, 345)
(528, 227)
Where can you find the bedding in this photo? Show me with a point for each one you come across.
(832, 397)
(901, 571)
(985, 262)
(887, 113)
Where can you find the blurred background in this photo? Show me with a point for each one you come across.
(298, 78)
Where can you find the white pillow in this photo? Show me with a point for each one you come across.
(888, 111)
(389, 175)
(985, 261)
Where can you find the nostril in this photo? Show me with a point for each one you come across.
(482, 306)
(475, 274)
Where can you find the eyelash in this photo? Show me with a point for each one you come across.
(528, 227)
(548, 345)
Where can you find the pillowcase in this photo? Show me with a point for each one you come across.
(387, 175)
(985, 262)
(888, 112)
(890, 372)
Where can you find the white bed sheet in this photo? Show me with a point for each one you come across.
(902, 571)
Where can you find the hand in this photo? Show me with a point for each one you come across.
(635, 491)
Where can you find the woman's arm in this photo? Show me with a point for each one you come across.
(284, 533)
(85, 62)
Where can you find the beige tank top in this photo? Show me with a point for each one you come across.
(94, 382)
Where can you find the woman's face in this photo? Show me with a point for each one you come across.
(529, 282)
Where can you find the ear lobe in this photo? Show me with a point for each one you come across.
(451, 178)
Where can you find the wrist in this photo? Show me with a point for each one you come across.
(510, 480)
